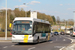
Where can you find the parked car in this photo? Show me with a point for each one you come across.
(56, 33)
(62, 33)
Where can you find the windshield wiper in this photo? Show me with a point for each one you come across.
(26, 34)
(18, 31)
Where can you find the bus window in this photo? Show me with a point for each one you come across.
(22, 28)
(41, 27)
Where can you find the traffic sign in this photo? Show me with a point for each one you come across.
(10, 25)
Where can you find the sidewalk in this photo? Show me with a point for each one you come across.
(2, 39)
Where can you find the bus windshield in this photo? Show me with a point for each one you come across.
(22, 27)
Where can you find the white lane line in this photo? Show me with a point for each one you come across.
(62, 48)
(12, 45)
(69, 38)
(51, 42)
(64, 40)
(31, 48)
(5, 47)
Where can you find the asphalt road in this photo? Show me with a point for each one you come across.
(55, 43)
(69, 36)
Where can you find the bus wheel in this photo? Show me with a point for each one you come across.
(20, 43)
(38, 40)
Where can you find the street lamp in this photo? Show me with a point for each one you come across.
(74, 18)
(25, 12)
(6, 23)
(67, 23)
(1, 22)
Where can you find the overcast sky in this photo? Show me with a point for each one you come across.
(62, 8)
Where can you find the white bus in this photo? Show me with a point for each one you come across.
(30, 30)
(72, 32)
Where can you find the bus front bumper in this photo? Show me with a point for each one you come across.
(16, 41)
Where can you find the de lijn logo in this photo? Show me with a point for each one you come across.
(43, 34)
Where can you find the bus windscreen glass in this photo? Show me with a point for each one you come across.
(22, 27)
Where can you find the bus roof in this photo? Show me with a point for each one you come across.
(31, 19)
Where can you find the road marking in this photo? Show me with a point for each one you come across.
(12, 45)
(62, 48)
(31, 48)
(69, 39)
(5, 47)
(51, 42)
(64, 40)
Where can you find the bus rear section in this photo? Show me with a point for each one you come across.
(22, 32)
(73, 31)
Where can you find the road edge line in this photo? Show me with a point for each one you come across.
(69, 39)
(31, 48)
(61, 48)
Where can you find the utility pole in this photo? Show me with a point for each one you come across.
(26, 12)
(74, 18)
(6, 23)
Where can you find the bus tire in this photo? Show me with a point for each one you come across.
(20, 43)
(38, 40)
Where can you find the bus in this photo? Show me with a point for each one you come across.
(73, 32)
(30, 30)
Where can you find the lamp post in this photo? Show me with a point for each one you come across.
(25, 12)
(67, 24)
(1, 22)
(74, 18)
(6, 23)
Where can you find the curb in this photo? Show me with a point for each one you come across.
(5, 40)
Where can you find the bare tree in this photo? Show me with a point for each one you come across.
(58, 20)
